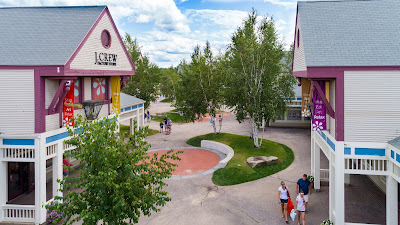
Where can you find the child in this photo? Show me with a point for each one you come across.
(161, 127)
(301, 207)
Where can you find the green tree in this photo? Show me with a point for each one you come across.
(257, 84)
(168, 82)
(144, 84)
(200, 85)
(118, 181)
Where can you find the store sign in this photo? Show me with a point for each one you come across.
(105, 59)
(68, 107)
(319, 111)
(115, 95)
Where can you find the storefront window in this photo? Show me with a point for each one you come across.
(294, 115)
(77, 91)
(98, 88)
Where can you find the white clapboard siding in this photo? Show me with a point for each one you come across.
(52, 122)
(85, 59)
(371, 105)
(299, 62)
(104, 111)
(17, 102)
(79, 112)
(87, 88)
(51, 87)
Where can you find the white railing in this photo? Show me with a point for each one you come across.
(18, 213)
(18, 154)
(324, 175)
(51, 151)
(369, 166)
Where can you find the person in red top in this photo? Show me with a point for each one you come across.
(65, 164)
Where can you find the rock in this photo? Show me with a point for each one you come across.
(257, 161)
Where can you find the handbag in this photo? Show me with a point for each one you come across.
(290, 205)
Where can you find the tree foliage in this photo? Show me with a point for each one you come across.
(168, 82)
(144, 84)
(118, 181)
(257, 83)
(200, 85)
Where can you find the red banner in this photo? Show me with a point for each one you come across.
(68, 107)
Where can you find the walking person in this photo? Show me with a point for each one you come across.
(161, 127)
(148, 116)
(169, 126)
(165, 123)
(283, 199)
(301, 202)
(66, 164)
(305, 185)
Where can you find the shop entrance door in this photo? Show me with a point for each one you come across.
(21, 178)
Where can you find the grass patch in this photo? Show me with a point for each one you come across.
(175, 117)
(123, 129)
(243, 148)
(167, 100)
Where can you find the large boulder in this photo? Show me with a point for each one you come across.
(257, 161)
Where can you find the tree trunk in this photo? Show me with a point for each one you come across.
(254, 129)
(214, 126)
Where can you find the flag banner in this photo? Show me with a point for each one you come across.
(319, 111)
(68, 106)
(115, 91)
(305, 97)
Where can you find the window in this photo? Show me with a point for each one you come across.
(98, 88)
(298, 38)
(294, 115)
(106, 39)
(77, 91)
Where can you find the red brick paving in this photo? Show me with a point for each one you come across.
(193, 161)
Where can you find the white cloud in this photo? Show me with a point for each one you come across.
(284, 3)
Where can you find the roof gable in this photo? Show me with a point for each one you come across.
(91, 50)
(350, 33)
(43, 35)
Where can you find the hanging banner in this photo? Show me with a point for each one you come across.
(319, 111)
(305, 97)
(115, 94)
(68, 107)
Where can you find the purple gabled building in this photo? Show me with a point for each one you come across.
(349, 50)
(50, 56)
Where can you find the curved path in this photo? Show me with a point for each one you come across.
(199, 201)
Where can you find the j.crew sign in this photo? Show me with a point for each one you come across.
(105, 59)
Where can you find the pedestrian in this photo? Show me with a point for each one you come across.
(161, 127)
(66, 164)
(305, 185)
(169, 126)
(301, 202)
(220, 120)
(165, 123)
(148, 116)
(283, 199)
(145, 116)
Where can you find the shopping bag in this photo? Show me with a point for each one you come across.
(293, 214)
(290, 205)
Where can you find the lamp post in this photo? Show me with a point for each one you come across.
(92, 108)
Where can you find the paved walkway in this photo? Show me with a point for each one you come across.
(199, 201)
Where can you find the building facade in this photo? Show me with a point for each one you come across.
(349, 52)
(52, 60)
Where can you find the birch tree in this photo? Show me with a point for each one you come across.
(257, 85)
(199, 89)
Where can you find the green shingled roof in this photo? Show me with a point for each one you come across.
(43, 35)
(351, 32)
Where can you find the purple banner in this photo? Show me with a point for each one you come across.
(319, 111)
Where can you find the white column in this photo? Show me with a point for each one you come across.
(131, 128)
(339, 183)
(3, 185)
(391, 201)
(312, 154)
(142, 118)
(347, 179)
(317, 167)
(138, 124)
(40, 180)
(331, 189)
(58, 170)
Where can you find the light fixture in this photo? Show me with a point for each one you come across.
(92, 108)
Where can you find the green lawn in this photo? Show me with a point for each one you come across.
(237, 171)
(125, 129)
(167, 100)
(174, 116)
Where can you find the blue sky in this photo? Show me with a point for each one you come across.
(168, 30)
